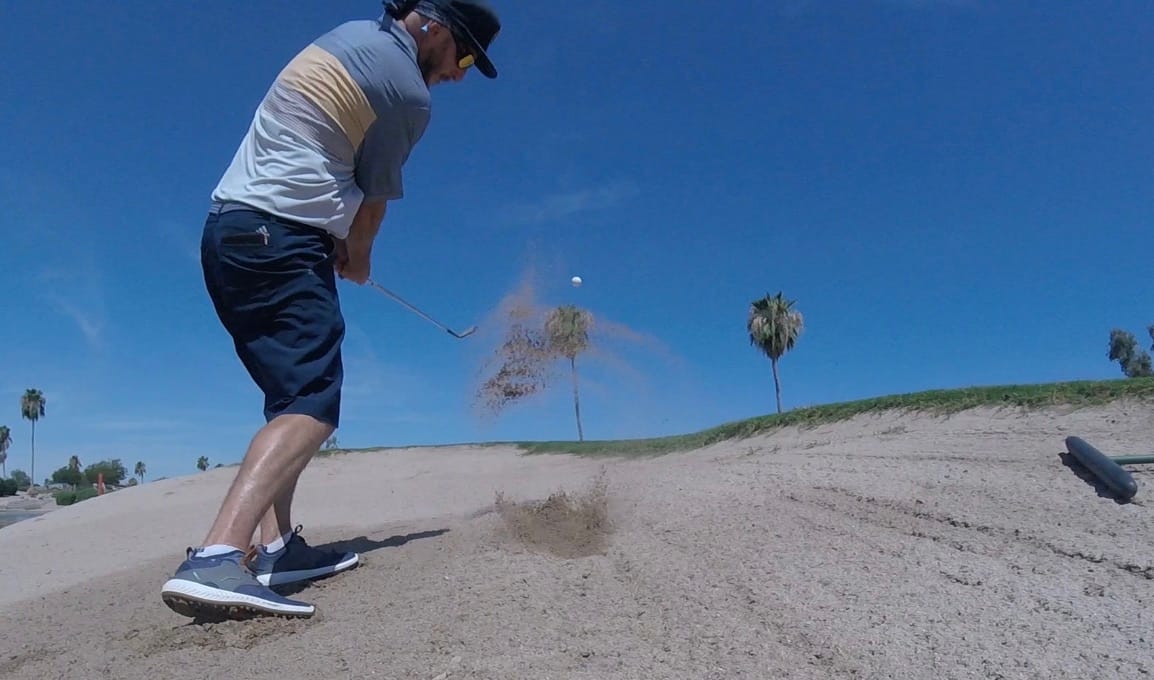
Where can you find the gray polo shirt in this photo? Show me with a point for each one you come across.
(334, 129)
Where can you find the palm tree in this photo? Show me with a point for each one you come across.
(139, 470)
(774, 326)
(74, 466)
(5, 442)
(32, 408)
(202, 463)
(567, 328)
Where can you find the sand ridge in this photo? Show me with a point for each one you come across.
(888, 546)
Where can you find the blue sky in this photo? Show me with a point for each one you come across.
(954, 192)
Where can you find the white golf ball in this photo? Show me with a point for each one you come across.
(576, 280)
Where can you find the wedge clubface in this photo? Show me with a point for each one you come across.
(467, 332)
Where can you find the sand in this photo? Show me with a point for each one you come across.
(887, 546)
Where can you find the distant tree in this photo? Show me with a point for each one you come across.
(331, 442)
(567, 329)
(139, 470)
(74, 463)
(1132, 359)
(7, 487)
(113, 470)
(67, 475)
(5, 442)
(202, 463)
(32, 406)
(23, 481)
(533, 338)
(774, 327)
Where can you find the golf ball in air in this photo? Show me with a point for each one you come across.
(576, 280)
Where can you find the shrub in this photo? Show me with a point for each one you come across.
(70, 497)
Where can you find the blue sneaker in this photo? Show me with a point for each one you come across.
(221, 587)
(298, 561)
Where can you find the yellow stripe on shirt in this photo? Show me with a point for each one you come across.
(323, 79)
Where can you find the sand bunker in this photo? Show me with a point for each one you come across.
(566, 525)
(886, 546)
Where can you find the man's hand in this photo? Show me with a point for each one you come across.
(354, 254)
(358, 262)
(341, 257)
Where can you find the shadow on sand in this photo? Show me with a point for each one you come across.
(360, 545)
(1090, 478)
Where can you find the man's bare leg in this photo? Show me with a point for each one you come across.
(279, 452)
(278, 520)
(284, 557)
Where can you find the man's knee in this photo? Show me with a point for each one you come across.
(324, 411)
(305, 424)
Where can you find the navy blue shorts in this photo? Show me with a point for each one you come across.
(274, 288)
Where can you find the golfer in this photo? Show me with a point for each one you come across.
(299, 205)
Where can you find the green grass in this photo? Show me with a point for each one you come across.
(934, 402)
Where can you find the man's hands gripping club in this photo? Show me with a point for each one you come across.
(353, 257)
(354, 254)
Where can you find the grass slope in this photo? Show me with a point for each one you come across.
(940, 402)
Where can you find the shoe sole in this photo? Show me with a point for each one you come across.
(198, 601)
(282, 578)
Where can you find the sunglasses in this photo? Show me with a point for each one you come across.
(465, 58)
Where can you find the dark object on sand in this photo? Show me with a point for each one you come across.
(1108, 470)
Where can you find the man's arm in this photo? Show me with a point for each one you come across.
(379, 162)
(366, 224)
(355, 262)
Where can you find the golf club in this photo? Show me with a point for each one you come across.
(467, 332)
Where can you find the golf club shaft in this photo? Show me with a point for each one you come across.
(415, 310)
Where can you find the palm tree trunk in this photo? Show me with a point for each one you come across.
(33, 477)
(777, 385)
(576, 399)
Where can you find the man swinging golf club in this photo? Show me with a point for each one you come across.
(301, 203)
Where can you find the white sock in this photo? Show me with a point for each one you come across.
(278, 543)
(213, 550)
